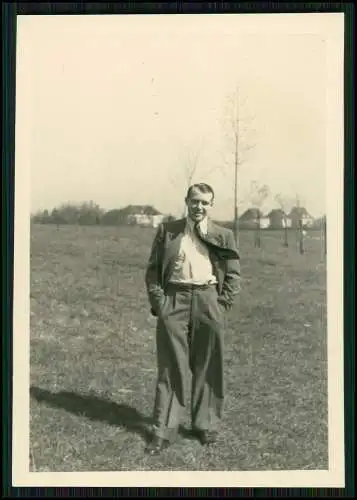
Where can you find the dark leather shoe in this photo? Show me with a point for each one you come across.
(156, 446)
(206, 437)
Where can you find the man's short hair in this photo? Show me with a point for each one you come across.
(201, 186)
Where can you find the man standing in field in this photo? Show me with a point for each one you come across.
(192, 279)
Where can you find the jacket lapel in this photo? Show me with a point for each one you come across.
(218, 243)
(214, 236)
(172, 242)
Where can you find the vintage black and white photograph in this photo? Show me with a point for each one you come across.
(178, 262)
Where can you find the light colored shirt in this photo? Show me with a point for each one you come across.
(192, 264)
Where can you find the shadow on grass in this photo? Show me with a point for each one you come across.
(95, 408)
(103, 410)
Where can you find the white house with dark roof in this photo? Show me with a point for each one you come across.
(142, 215)
(300, 213)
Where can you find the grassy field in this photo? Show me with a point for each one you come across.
(93, 357)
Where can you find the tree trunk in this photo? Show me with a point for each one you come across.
(301, 237)
(286, 241)
(257, 233)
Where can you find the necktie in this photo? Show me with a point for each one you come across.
(197, 230)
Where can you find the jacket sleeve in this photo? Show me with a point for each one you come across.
(153, 272)
(232, 278)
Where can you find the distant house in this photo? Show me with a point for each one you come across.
(264, 222)
(300, 213)
(145, 219)
(279, 219)
(139, 209)
(142, 215)
(249, 219)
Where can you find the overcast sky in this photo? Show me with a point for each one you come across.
(115, 103)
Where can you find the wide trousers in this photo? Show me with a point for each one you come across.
(189, 337)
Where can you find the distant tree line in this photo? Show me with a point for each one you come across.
(91, 214)
(87, 213)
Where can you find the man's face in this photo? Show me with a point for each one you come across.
(199, 205)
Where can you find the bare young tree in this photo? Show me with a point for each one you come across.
(259, 193)
(300, 229)
(187, 167)
(286, 204)
(239, 129)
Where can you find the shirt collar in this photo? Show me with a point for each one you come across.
(202, 225)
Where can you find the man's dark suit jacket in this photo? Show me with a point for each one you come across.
(223, 253)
